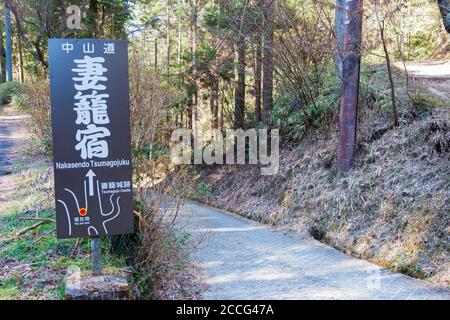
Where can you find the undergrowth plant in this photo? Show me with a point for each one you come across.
(159, 187)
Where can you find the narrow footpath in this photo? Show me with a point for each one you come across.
(13, 140)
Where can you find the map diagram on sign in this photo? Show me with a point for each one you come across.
(80, 208)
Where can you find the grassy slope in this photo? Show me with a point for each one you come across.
(392, 208)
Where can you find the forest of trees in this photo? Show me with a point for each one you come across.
(242, 64)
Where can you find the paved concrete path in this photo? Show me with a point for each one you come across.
(243, 259)
(437, 70)
(433, 76)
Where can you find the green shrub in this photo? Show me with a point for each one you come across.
(424, 102)
(204, 189)
(35, 101)
(153, 151)
(8, 90)
(295, 118)
(20, 101)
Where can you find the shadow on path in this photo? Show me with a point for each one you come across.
(243, 259)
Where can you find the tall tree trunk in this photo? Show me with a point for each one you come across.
(339, 19)
(179, 52)
(194, 34)
(214, 103)
(179, 43)
(222, 106)
(193, 26)
(267, 91)
(2, 54)
(62, 19)
(189, 117)
(20, 53)
(190, 55)
(179, 76)
(239, 91)
(156, 54)
(349, 97)
(9, 76)
(168, 37)
(258, 71)
(92, 16)
(444, 8)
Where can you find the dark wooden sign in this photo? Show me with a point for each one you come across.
(91, 137)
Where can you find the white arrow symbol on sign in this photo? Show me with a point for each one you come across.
(91, 176)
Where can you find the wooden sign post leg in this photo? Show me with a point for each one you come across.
(96, 256)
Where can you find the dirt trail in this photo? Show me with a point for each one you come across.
(12, 137)
(434, 76)
(13, 140)
(243, 259)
